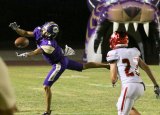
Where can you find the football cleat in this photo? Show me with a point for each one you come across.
(47, 113)
(157, 91)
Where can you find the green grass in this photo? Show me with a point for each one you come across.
(76, 93)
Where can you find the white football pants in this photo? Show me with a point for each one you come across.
(130, 92)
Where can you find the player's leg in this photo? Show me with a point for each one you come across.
(48, 97)
(53, 75)
(134, 112)
(129, 94)
(124, 104)
(140, 91)
(95, 65)
(73, 65)
(128, 108)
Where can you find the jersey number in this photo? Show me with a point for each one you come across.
(128, 66)
(49, 42)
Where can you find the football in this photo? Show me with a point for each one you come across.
(21, 42)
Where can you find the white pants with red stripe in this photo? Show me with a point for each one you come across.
(129, 94)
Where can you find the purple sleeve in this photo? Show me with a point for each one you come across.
(37, 33)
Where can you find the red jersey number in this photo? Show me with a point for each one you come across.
(127, 69)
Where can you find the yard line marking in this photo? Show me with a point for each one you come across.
(35, 88)
(73, 76)
(149, 85)
(117, 85)
(100, 85)
(70, 76)
(79, 113)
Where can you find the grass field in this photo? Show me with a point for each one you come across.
(76, 93)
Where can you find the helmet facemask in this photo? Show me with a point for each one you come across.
(50, 30)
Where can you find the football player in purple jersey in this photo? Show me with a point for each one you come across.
(46, 44)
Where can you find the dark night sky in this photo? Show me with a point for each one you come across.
(71, 16)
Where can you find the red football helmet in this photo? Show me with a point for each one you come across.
(118, 39)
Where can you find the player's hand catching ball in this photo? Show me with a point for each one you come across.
(14, 25)
(22, 54)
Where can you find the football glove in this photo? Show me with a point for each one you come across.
(68, 51)
(113, 85)
(157, 91)
(14, 25)
(114, 82)
(23, 55)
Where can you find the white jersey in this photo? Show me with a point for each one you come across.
(127, 63)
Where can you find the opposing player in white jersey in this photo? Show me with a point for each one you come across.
(124, 62)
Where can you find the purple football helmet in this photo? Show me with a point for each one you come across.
(50, 30)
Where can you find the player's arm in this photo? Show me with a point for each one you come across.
(146, 68)
(24, 33)
(113, 72)
(32, 53)
(20, 31)
(112, 58)
(35, 52)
